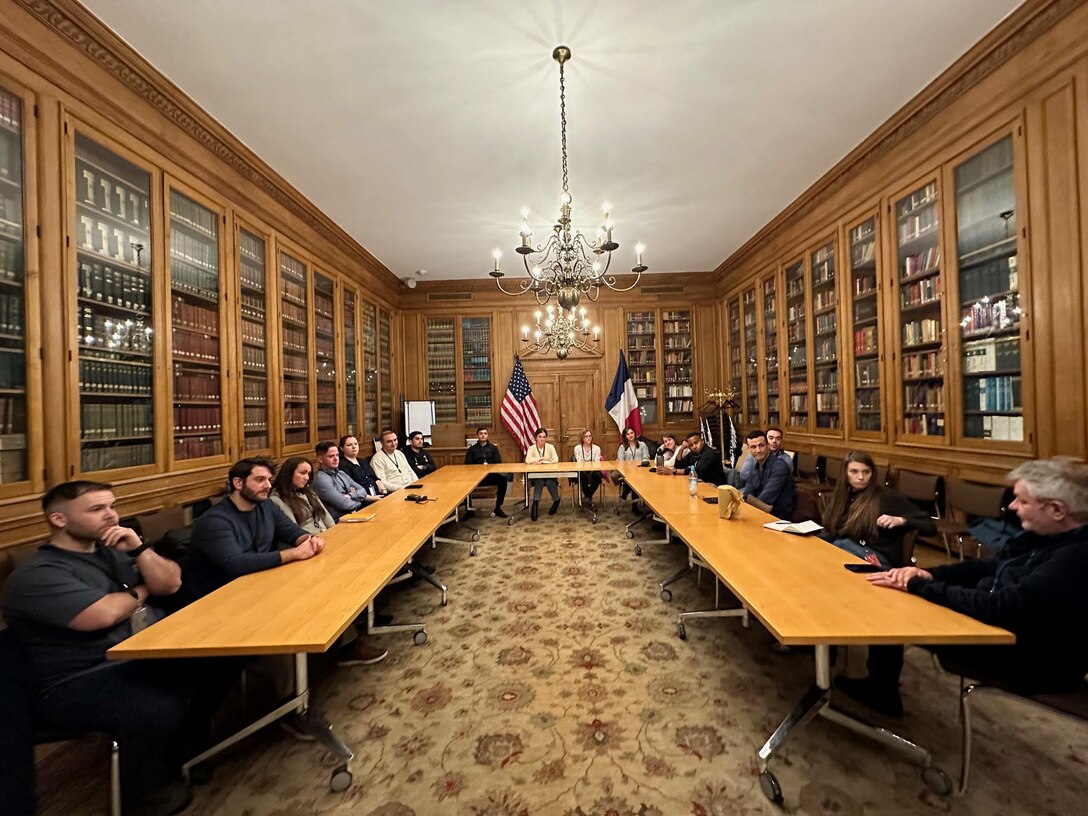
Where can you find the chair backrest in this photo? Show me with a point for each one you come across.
(906, 555)
(921, 488)
(976, 500)
(882, 474)
(833, 469)
(807, 465)
(807, 509)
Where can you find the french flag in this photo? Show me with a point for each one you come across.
(622, 404)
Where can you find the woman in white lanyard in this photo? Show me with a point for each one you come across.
(543, 452)
(589, 480)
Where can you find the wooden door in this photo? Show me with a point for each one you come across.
(565, 392)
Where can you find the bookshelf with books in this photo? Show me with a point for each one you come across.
(352, 424)
(385, 382)
(797, 343)
(253, 313)
(865, 327)
(641, 353)
(324, 359)
(751, 360)
(677, 382)
(823, 295)
(114, 316)
(476, 369)
(736, 355)
(988, 292)
(918, 301)
(194, 329)
(442, 367)
(370, 369)
(294, 340)
(14, 465)
(770, 349)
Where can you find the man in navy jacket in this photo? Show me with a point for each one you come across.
(769, 485)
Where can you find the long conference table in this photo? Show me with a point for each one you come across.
(796, 586)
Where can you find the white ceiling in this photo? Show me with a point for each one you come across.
(423, 127)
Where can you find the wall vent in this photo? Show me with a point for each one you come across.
(663, 289)
(448, 296)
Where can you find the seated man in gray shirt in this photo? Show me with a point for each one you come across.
(339, 492)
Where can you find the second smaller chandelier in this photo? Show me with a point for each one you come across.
(568, 265)
(559, 332)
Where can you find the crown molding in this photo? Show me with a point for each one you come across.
(87, 34)
(1016, 32)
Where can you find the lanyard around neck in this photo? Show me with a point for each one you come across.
(393, 459)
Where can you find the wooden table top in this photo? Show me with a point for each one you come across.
(549, 467)
(305, 606)
(796, 585)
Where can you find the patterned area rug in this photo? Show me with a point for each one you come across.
(554, 683)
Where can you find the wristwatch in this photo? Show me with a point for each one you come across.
(139, 550)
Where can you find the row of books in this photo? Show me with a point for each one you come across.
(109, 420)
(13, 418)
(867, 374)
(677, 342)
(440, 331)
(640, 358)
(292, 311)
(922, 263)
(922, 222)
(293, 339)
(123, 200)
(827, 379)
(683, 406)
(865, 340)
(987, 163)
(675, 316)
(676, 327)
(118, 287)
(795, 332)
(865, 309)
(108, 333)
(677, 373)
(189, 386)
(256, 441)
(677, 390)
(197, 448)
(255, 390)
(924, 424)
(645, 393)
(189, 346)
(253, 358)
(825, 350)
(252, 307)
(1006, 428)
(254, 417)
(919, 198)
(916, 332)
(635, 343)
(112, 242)
(251, 248)
(326, 392)
(1001, 393)
(925, 396)
(200, 282)
(187, 315)
(864, 284)
(827, 421)
(11, 208)
(322, 300)
(478, 401)
(991, 355)
(863, 253)
(798, 357)
(641, 316)
(11, 111)
(292, 389)
(927, 290)
(188, 212)
(121, 455)
(203, 253)
(11, 314)
(292, 269)
(251, 276)
(825, 323)
(827, 401)
(324, 348)
(997, 276)
(326, 423)
(798, 420)
(478, 375)
(11, 159)
(798, 403)
(189, 418)
(295, 415)
(988, 315)
(295, 293)
(824, 299)
(323, 325)
(253, 332)
(795, 313)
(295, 366)
(11, 261)
(922, 364)
(103, 377)
(480, 416)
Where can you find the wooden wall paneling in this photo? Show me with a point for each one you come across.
(1056, 191)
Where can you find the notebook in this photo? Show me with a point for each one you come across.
(795, 527)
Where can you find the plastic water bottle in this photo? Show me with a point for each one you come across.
(693, 482)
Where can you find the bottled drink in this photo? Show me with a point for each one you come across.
(693, 482)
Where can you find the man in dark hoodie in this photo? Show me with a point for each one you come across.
(1035, 588)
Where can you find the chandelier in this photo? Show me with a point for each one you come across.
(560, 332)
(568, 265)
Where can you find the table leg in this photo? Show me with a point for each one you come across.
(716, 612)
(455, 518)
(419, 630)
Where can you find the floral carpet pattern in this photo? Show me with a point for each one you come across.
(554, 683)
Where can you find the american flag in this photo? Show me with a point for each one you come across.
(519, 413)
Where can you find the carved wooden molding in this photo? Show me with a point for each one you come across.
(1012, 36)
(88, 36)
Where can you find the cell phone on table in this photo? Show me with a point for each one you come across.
(864, 567)
(710, 499)
(414, 487)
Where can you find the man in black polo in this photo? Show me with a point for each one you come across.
(694, 452)
(83, 591)
(484, 453)
(418, 456)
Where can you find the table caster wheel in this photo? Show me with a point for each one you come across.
(472, 550)
(937, 780)
(638, 550)
(630, 534)
(341, 779)
(419, 638)
(594, 519)
(768, 783)
(509, 522)
(681, 632)
(666, 595)
(475, 536)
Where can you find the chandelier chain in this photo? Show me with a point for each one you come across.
(563, 122)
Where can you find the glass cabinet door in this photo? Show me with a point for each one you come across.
(370, 369)
(252, 269)
(194, 324)
(989, 295)
(642, 362)
(676, 341)
(351, 374)
(825, 338)
(770, 349)
(325, 355)
(113, 312)
(385, 380)
(797, 340)
(751, 360)
(476, 366)
(442, 368)
(865, 323)
(921, 334)
(13, 428)
(296, 364)
(736, 355)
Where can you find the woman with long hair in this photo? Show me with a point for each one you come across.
(543, 451)
(588, 480)
(294, 494)
(631, 449)
(869, 519)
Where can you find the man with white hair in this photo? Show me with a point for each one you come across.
(1035, 588)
